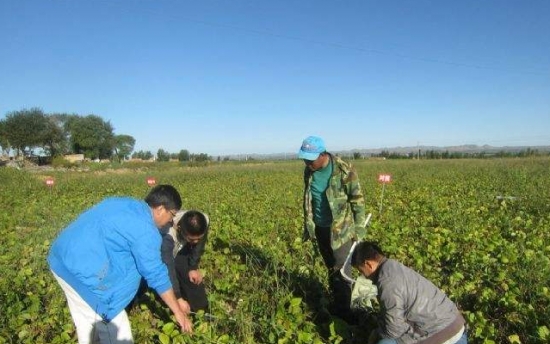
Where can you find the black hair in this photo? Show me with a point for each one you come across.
(367, 250)
(164, 195)
(192, 222)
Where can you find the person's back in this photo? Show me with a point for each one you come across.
(97, 253)
(98, 261)
(412, 309)
(416, 308)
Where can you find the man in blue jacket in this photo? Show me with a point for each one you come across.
(100, 258)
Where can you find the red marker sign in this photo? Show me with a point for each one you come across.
(50, 181)
(384, 178)
(151, 181)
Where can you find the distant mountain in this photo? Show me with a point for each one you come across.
(399, 150)
(450, 149)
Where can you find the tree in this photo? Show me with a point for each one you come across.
(147, 155)
(91, 136)
(124, 145)
(4, 142)
(24, 130)
(183, 155)
(54, 138)
(61, 120)
(200, 157)
(163, 155)
(142, 155)
(59, 133)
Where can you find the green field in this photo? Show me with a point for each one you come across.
(479, 229)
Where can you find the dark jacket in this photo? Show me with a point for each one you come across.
(172, 244)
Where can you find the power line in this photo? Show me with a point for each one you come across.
(365, 50)
(336, 45)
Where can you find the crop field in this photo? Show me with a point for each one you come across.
(479, 229)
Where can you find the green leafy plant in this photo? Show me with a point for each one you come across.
(477, 228)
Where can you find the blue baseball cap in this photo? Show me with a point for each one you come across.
(312, 146)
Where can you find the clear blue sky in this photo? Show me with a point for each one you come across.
(236, 77)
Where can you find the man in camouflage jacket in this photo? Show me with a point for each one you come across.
(334, 214)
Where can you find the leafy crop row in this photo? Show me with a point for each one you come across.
(478, 228)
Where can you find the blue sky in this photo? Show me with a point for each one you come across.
(236, 77)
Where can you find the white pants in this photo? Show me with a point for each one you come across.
(89, 326)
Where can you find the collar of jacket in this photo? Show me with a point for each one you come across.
(374, 277)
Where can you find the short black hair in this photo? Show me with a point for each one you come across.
(165, 195)
(192, 222)
(366, 250)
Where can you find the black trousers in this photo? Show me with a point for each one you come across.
(193, 293)
(334, 260)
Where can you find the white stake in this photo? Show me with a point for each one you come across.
(347, 263)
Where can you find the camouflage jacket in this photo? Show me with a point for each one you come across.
(346, 201)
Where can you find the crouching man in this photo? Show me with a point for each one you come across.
(182, 247)
(412, 309)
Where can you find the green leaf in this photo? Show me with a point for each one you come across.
(544, 332)
(164, 339)
(168, 328)
(223, 339)
(22, 334)
(295, 302)
(514, 339)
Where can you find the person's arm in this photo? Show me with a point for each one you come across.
(196, 253)
(167, 253)
(393, 322)
(167, 249)
(194, 274)
(169, 299)
(356, 200)
(152, 254)
(305, 205)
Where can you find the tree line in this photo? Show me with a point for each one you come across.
(33, 132)
(435, 154)
(27, 132)
(163, 155)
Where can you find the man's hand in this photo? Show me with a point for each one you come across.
(184, 306)
(184, 322)
(170, 299)
(195, 276)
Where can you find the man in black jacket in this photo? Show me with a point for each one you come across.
(182, 247)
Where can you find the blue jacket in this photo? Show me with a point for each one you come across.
(106, 250)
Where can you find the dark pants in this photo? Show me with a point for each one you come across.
(334, 260)
(193, 293)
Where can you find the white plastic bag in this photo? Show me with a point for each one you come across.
(363, 294)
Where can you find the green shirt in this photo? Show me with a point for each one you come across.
(346, 204)
(322, 216)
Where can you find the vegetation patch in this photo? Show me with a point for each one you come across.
(477, 228)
